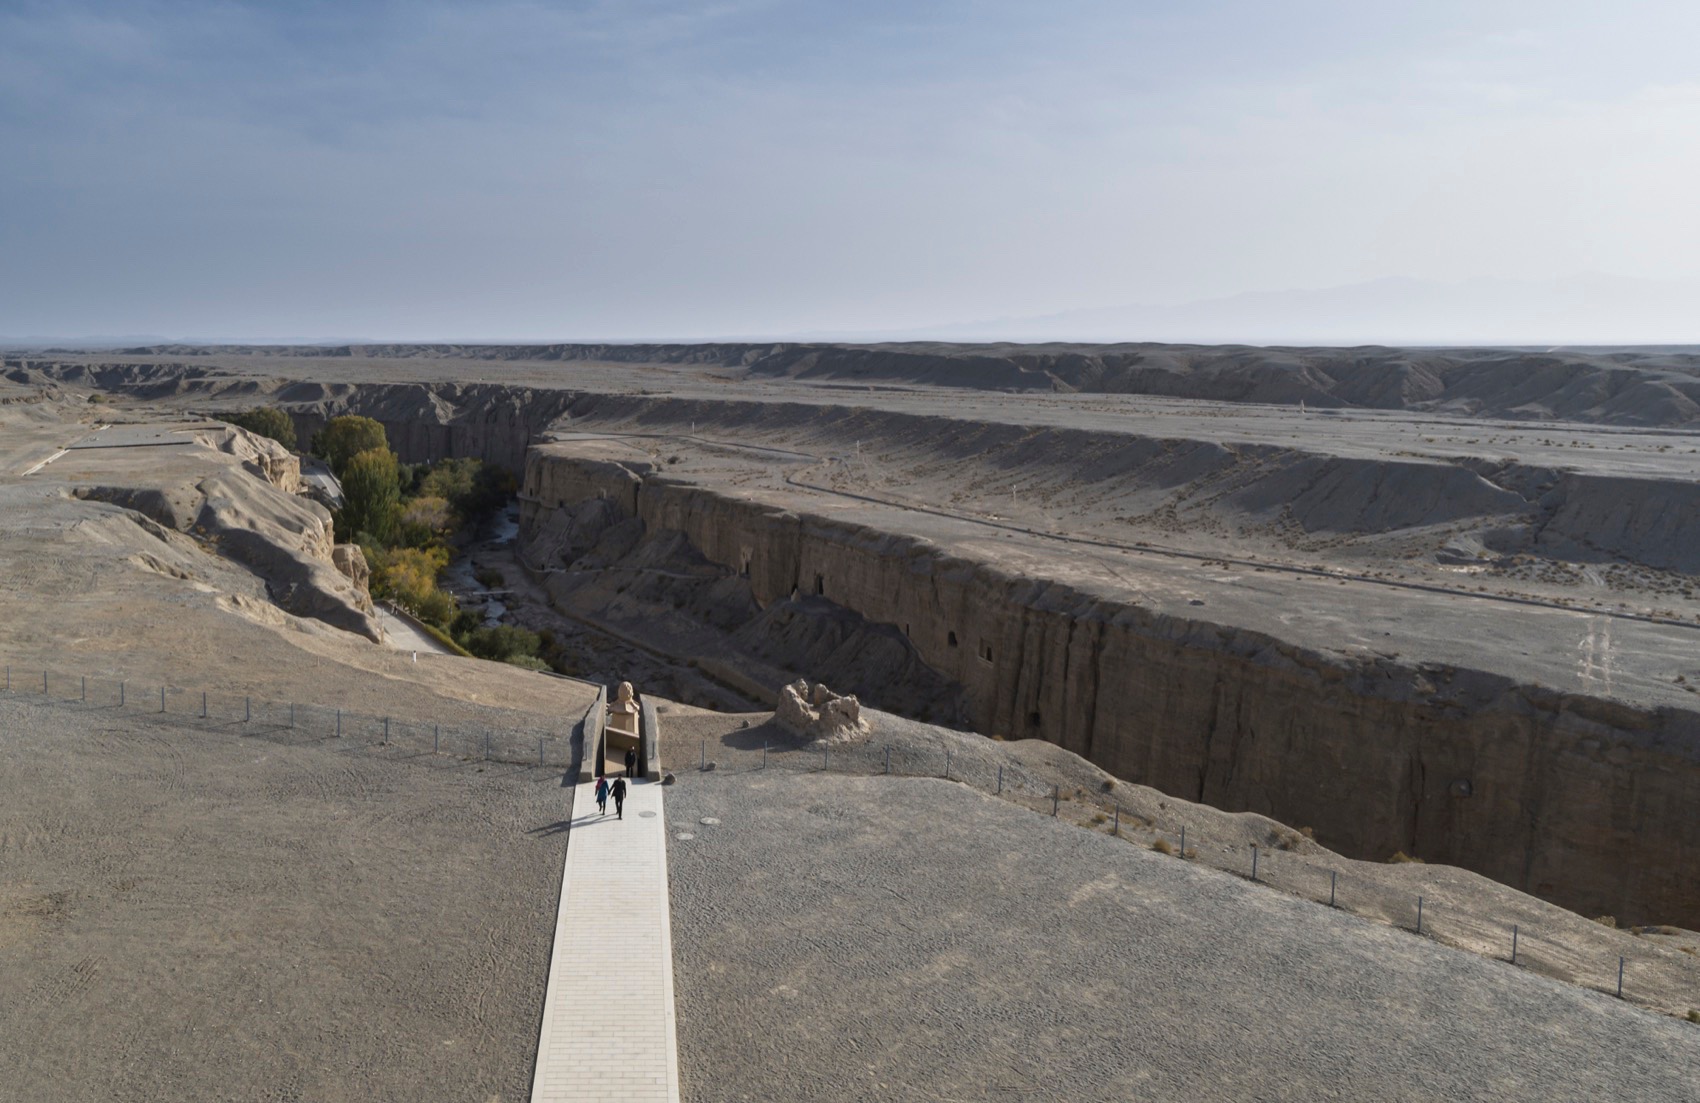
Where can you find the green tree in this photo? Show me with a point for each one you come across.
(371, 496)
(268, 421)
(348, 436)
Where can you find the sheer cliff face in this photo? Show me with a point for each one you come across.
(1586, 802)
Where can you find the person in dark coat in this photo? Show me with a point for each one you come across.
(619, 792)
(631, 762)
(602, 794)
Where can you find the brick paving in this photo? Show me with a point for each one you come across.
(608, 1029)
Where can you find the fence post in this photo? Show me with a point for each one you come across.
(8, 677)
(120, 694)
(292, 714)
(1000, 779)
(436, 737)
(1620, 978)
(162, 698)
(824, 751)
(44, 683)
(1117, 829)
(339, 723)
(1333, 883)
(702, 756)
(386, 729)
(1056, 799)
(540, 748)
(85, 687)
(247, 709)
(888, 758)
(1254, 861)
(764, 754)
(1514, 944)
(203, 704)
(1419, 915)
(486, 744)
(1183, 840)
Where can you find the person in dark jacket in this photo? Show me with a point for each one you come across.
(619, 792)
(602, 794)
(631, 762)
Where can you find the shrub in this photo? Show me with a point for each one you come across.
(408, 576)
(1163, 846)
(491, 578)
(270, 422)
(503, 643)
(437, 608)
(1606, 921)
(345, 437)
(1694, 1015)
(426, 518)
(371, 498)
(1401, 856)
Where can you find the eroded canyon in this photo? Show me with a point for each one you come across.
(1407, 616)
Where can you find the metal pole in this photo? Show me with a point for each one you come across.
(203, 704)
(292, 714)
(247, 709)
(1117, 829)
(1620, 978)
(823, 759)
(540, 748)
(1000, 780)
(1056, 798)
(702, 756)
(764, 754)
(85, 687)
(339, 723)
(1514, 944)
(386, 729)
(120, 694)
(1333, 883)
(888, 758)
(436, 737)
(44, 683)
(1419, 915)
(162, 698)
(1254, 861)
(1183, 840)
(8, 677)
(486, 745)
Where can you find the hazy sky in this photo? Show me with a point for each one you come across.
(641, 168)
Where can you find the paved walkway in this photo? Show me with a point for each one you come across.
(608, 1030)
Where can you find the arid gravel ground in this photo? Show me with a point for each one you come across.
(1463, 910)
(193, 915)
(874, 939)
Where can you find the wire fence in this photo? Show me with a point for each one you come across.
(490, 737)
(1668, 973)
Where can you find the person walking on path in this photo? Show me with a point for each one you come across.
(619, 792)
(602, 794)
(631, 762)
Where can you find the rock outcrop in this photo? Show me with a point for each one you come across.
(236, 493)
(818, 714)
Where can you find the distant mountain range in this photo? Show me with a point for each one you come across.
(1576, 310)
